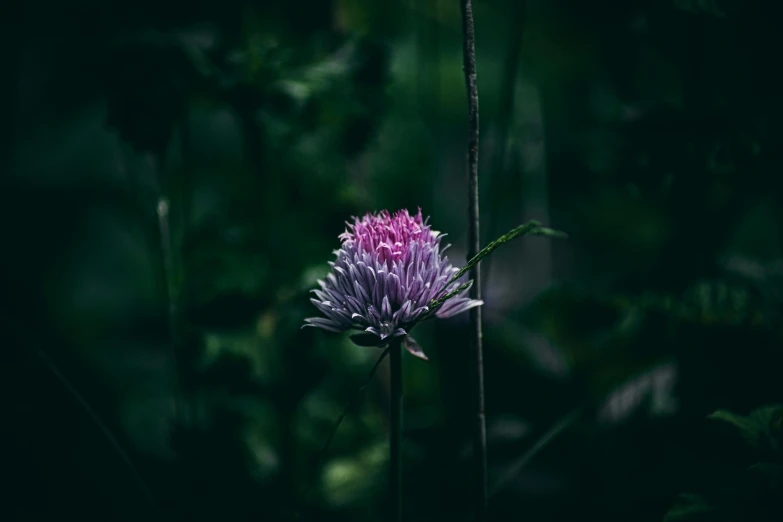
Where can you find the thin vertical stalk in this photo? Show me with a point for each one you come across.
(171, 252)
(170, 242)
(167, 251)
(480, 432)
(395, 453)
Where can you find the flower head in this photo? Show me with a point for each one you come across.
(388, 270)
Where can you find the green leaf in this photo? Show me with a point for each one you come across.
(548, 232)
(434, 305)
(762, 428)
(749, 429)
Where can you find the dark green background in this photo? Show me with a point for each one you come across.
(648, 130)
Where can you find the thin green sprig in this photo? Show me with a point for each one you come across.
(531, 228)
(434, 305)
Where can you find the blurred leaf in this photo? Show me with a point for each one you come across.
(751, 493)
(654, 387)
(761, 429)
(346, 480)
(692, 508)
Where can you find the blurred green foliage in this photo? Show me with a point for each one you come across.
(751, 492)
(649, 131)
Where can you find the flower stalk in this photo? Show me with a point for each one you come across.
(395, 442)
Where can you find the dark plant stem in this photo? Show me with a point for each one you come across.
(480, 431)
(395, 453)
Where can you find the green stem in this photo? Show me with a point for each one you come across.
(395, 453)
(167, 250)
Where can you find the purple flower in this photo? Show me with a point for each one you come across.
(387, 271)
